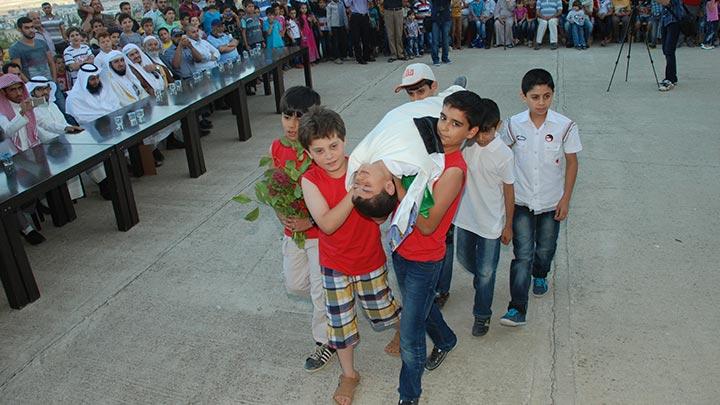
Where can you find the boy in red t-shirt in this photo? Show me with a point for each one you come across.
(301, 267)
(419, 259)
(352, 259)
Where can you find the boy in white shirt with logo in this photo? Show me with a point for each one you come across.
(545, 144)
(485, 216)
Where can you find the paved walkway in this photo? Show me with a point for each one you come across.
(189, 306)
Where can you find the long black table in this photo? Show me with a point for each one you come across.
(45, 168)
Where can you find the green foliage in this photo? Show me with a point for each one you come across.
(242, 199)
(253, 215)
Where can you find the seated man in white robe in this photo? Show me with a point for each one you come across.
(151, 79)
(90, 98)
(402, 151)
(51, 123)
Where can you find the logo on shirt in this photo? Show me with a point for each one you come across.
(521, 138)
(549, 138)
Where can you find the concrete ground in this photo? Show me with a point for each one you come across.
(189, 306)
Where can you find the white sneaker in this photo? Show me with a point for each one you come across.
(666, 85)
(707, 47)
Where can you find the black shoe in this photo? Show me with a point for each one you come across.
(391, 60)
(371, 59)
(158, 155)
(436, 358)
(362, 62)
(480, 327)
(408, 402)
(316, 361)
(172, 143)
(205, 124)
(441, 299)
(461, 81)
(34, 237)
(204, 132)
(105, 190)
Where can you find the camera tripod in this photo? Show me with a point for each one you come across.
(631, 22)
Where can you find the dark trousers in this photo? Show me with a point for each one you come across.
(338, 42)
(360, 32)
(670, 35)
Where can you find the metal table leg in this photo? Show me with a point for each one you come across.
(193, 148)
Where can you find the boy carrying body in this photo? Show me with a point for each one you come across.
(545, 144)
(419, 258)
(352, 259)
(484, 218)
(301, 267)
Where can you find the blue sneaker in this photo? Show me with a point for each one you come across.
(513, 317)
(540, 287)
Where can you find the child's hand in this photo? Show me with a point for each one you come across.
(507, 235)
(561, 211)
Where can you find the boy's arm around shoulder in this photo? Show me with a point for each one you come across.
(446, 188)
(327, 219)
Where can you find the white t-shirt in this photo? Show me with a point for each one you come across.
(293, 29)
(540, 157)
(482, 207)
(72, 55)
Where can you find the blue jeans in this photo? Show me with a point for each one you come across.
(670, 34)
(443, 284)
(578, 35)
(420, 315)
(587, 30)
(480, 256)
(412, 46)
(534, 243)
(441, 34)
(710, 32)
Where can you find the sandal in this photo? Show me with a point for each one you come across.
(393, 348)
(346, 388)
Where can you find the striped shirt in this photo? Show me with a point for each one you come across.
(52, 26)
(73, 55)
(548, 8)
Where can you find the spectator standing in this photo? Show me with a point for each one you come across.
(423, 13)
(504, 22)
(169, 22)
(711, 24)
(55, 26)
(441, 31)
(40, 32)
(274, 32)
(673, 11)
(95, 11)
(548, 12)
(323, 28)
(338, 21)
(128, 36)
(190, 8)
(212, 14)
(32, 54)
(77, 53)
(360, 30)
(412, 32)
(251, 27)
(307, 38)
(393, 16)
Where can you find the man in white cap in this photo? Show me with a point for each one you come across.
(418, 81)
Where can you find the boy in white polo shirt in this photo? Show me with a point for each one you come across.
(545, 144)
(484, 218)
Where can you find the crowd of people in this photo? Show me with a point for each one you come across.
(451, 178)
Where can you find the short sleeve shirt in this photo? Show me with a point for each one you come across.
(482, 207)
(540, 157)
(223, 40)
(33, 59)
(187, 63)
(253, 32)
(52, 26)
(72, 55)
(355, 248)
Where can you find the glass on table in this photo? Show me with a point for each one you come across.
(208, 73)
(178, 85)
(132, 118)
(140, 114)
(221, 67)
(197, 76)
(118, 123)
(7, 162)
(172, 90)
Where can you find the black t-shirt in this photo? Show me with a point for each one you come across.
(392, 4)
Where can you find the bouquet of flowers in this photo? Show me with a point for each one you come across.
(280, 189)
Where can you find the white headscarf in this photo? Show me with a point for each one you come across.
(42, 81)
(153, 78)
(127, 87)
(85, 106)
(156, 59)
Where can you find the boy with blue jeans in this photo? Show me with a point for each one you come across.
(484, 218)
(545, 144)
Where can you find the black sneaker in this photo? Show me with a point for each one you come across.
(436, 358)
(318, 360)
(34, 237)
(480, 327)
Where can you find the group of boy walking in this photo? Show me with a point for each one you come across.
(516, 186)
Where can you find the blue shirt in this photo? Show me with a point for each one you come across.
(223, 40)
(274, 40)
(548, 8)
(476, 7)
(187, 63)
(357, 6)
(668, 17)
(208, 19)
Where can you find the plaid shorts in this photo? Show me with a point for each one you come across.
(374, 295)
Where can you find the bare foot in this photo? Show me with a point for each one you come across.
(393, 348)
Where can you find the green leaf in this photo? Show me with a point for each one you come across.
(304, 166)
(242, 199)
(285, 142)
(253, 215)
(265, 161)
(298, 191)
